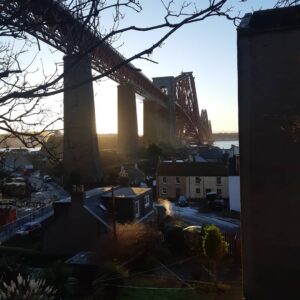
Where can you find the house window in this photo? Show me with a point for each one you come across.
(219, 181)
(219, 192)
(147, 200)
(137, 209)
(197, 191)
(164, 191)
(177, 180)
(164, 179)
(178, 191)
(198, 179)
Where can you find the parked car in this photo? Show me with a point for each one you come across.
(193, 236)
(211, 196)
(47, 179)
(193, 228)
(29, 227)
(182, 201)
(217, 204)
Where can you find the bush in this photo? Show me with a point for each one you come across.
(112, 274)
(194, 240)
(174, 239)
(57, 275)
(133, 239)
(214, 245)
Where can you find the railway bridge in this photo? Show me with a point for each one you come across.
(170, 103)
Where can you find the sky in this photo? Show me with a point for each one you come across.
(207, 48)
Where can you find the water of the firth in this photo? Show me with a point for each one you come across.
(226, 144)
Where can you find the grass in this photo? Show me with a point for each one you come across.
(162, 294)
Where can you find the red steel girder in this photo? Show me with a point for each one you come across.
(190, 125)
(51, 22)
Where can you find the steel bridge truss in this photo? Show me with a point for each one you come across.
(53, 23)
(190, 126)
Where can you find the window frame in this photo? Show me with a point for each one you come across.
(147, 200)
(197, 179)
(137, 208)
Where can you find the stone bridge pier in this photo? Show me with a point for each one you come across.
(81, 159)
(127, 119)
(159, 121)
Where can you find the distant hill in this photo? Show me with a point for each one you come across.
(225, 136)
(110, 141)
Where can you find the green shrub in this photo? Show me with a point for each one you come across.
(174, 239)
(214, 245)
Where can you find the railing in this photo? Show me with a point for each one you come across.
(8, 230)
(234, 243)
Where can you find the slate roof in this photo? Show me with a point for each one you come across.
(271, 19)
(192, 169)
(126, 192)
(211, 153)
(91, 205)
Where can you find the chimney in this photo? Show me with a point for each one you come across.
(77, 194)
(123, 177)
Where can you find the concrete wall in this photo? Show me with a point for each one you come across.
(234, 193)
(81, 160)
(269, 110)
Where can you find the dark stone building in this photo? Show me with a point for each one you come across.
(131, 204)
(77, 225)
(79, 222)
(269, 126)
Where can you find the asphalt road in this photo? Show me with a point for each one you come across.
(194, 217)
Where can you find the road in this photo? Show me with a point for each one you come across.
(194, 217)
(46, 190)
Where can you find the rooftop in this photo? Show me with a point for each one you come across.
(271, 19)
(82, 258)
(126, 192)
(192, 169)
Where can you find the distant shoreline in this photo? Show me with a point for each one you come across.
(225, 136)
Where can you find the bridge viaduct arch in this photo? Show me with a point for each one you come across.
(81, 153)
(81, 158)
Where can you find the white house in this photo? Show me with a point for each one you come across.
(234, 193)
